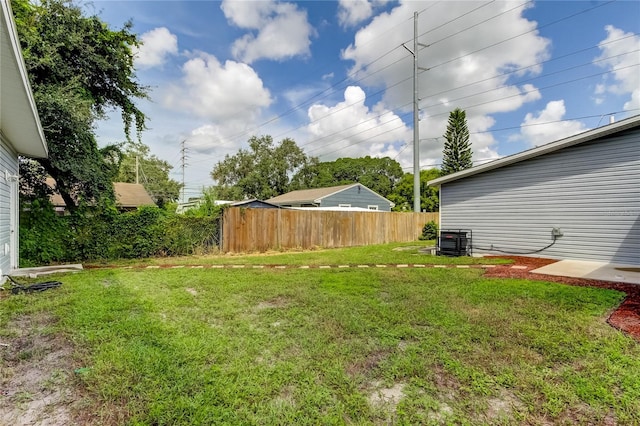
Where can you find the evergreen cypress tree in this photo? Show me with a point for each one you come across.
(457, 152)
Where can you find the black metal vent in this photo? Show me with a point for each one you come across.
(456, 242)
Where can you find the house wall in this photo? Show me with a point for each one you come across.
(357, 196)
(590, 191)
(8, 211)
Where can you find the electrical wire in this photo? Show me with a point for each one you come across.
(516, 252)
(386, 53)
(457, 88)
(537, 28)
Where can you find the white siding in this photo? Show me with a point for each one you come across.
(590, 191)
(8, 163)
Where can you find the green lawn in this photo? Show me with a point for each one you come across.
(394, 253)
(337, 346)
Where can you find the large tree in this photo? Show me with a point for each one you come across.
(138, 165)
(79, 69)
(378, 174)
(262, 171)
(402, 195)
(457, 153)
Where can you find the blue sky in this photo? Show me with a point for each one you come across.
(335, 77)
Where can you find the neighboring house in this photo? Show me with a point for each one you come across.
(250, 204)
(129, 196)
(20, 134)
(345, 196)
(580, 196)
(254, 204)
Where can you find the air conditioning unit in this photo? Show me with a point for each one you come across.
(455, 242)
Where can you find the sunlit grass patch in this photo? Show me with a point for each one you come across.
(315, 346)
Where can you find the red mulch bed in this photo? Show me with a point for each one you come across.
(626, 318)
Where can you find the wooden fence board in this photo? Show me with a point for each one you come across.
(247, 230)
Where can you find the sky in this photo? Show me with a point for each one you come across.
(337, 76)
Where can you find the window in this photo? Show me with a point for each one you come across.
(344, 205)
(372, 207)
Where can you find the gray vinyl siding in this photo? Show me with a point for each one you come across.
(8, 163)
(590, 191)
(356, 196)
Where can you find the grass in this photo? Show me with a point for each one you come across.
(340, 346)
(393, 253)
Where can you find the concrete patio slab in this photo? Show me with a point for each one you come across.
(592, 270)
(45, 270)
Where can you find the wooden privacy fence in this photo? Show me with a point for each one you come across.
(246, 230)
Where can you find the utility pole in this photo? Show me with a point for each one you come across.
(137, 166)
(416, 118)
(183, 160)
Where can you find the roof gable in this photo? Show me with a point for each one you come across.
(580, 138)
(309, 196)
(128, 195)
(19, 120)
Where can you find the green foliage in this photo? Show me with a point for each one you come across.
(78, 69)
(429, 231)
(43, 235)
(106, 235)
(402, 196)
(378, 174)
(152, 173)
(263, 171)
(207, 206)
(457, 148)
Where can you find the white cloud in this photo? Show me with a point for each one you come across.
(352, 129)
(468, 63)
(211, 138)
(546, 126)
(157, 44)
(283, 31)
(353, 12)
(229, 91)
(621, 57)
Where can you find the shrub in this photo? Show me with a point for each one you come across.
(46, 238)
(43, 235)
(429, 231)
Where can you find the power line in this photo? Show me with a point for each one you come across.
(334, 87)
(537, 28)
(518, 70)
(541, 77)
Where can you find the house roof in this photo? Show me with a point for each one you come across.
(128, 195)
(19, 121)
(310, 196)
(253, 201)
(578, 139)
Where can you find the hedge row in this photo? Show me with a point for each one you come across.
(47, 238)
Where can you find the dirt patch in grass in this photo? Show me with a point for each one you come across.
(503, 406)
(368, 364)
(36, 379)
(625, 318)
(387, 396)
(275, 303)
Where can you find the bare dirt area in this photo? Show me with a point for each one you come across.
(625, 318)
(36, 386)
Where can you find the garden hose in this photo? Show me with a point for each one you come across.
(16, 287)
